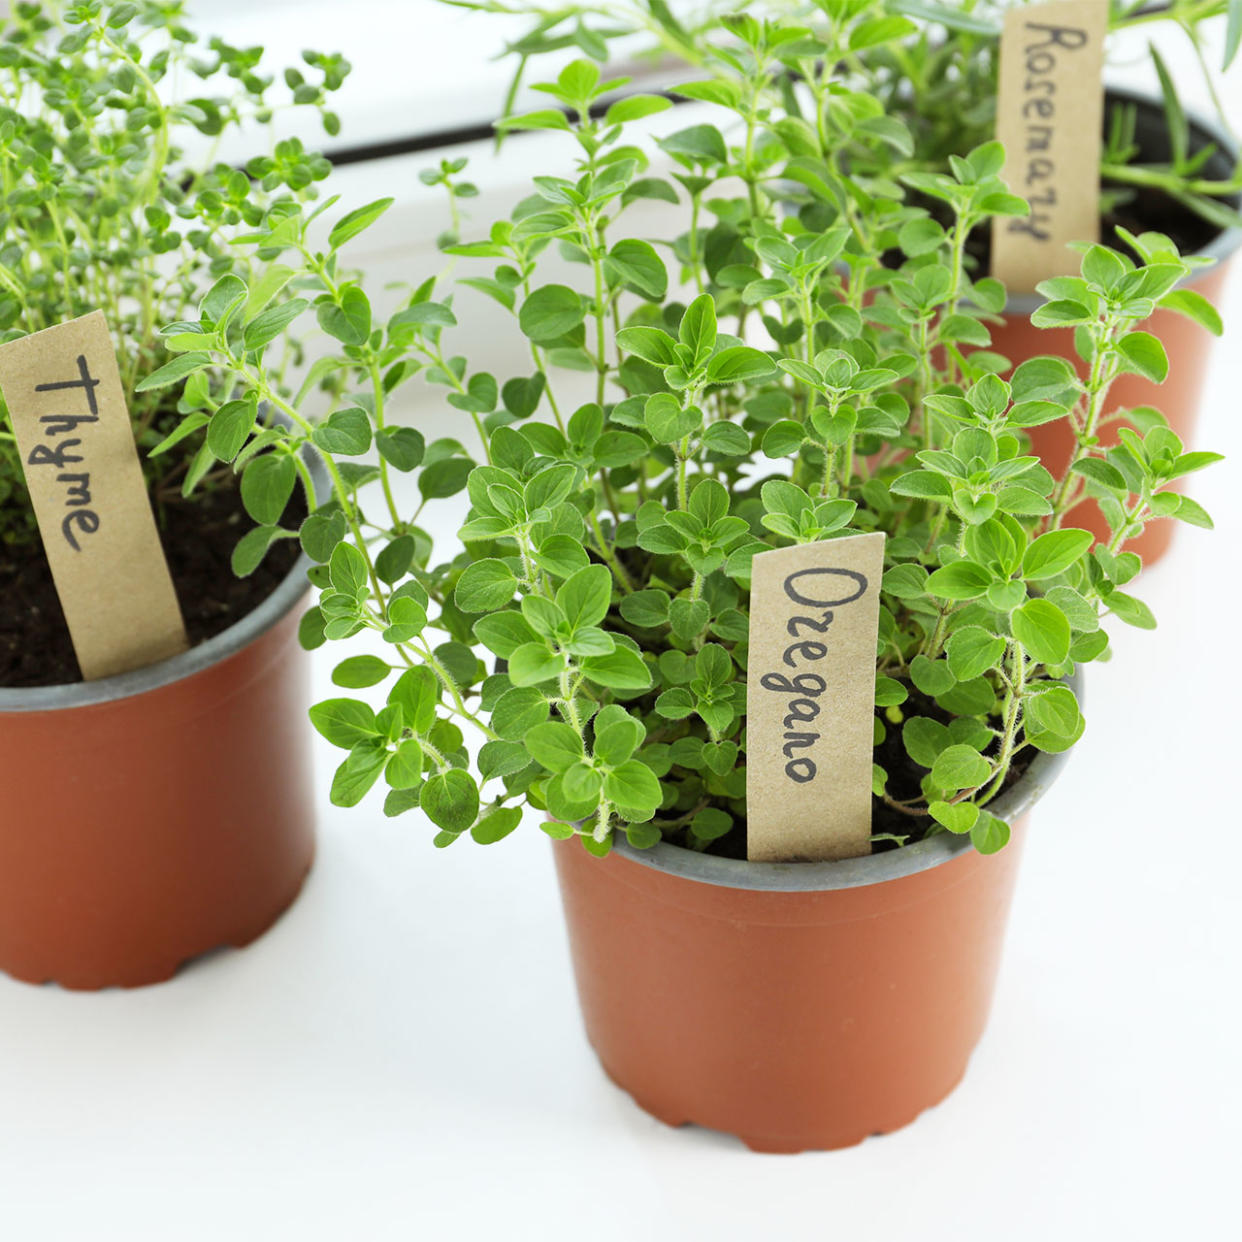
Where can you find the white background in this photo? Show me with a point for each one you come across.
(401, 1057)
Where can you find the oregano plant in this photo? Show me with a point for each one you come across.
(802, 354)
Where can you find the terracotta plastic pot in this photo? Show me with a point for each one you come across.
(798, 1006)
(151, 817)
(1187, 344)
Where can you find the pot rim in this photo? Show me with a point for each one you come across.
(1221, 247)
(243, 632)
(804, 877)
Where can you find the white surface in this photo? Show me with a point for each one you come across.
(401, 1057)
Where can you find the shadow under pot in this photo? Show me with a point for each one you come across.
(151, 817)
(799, 1006)
(1187, 344)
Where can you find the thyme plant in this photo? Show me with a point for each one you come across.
(111, 197)
(802, 356)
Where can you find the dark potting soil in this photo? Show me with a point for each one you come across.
(905, 779)
(198, 535)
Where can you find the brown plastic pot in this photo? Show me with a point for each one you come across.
(799, 1006)
(1187, 344)
(151, 817)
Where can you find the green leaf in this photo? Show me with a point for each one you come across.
(922, 484)
(417, 693)
(960, 580)
(554, 745)
(273, 280)
(932, 677)
(358, 672)
(230, 428)
(451, 800)
(989, 833)
(347, 569)
(1194, 306)
(252, 548)
(560, 555)
(354, 222)
(222, 297)
(394, 560)
(622, 669)
(634, 107)
(1054, 552)
(617, 734)
(645, 609)
(633, 789)
(355, 777)
(666, 420)
(405, 768)
(698, 328)
(504, 632)
(499, 759)
(956, 817)
(344, 722)
(496, 824)
(264, 328)
(1053, 720)
(726, 438)
(401, 447)
(924, 739)
(187, 427)
(320, 533)
(486, 585)
(348, 318)
(584, 597)
(636, 265)
(1063, 312)
(171, 372)
(1145, 355)
(960, 767)
(972, 651)
(738, 363)
(1132, 611)
(266, 485)
(550, 312)
(533, 663)
(444, 478)
(517, 711)
(649, 344)
(1042, 628)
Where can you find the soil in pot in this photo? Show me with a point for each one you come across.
(198, 535)
(896, 827)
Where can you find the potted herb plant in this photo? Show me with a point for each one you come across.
(157, 814)
(935, 67)
(772, 373)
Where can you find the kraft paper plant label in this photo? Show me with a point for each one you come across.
(1049, 115)
(64, 395)
(810, 699)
